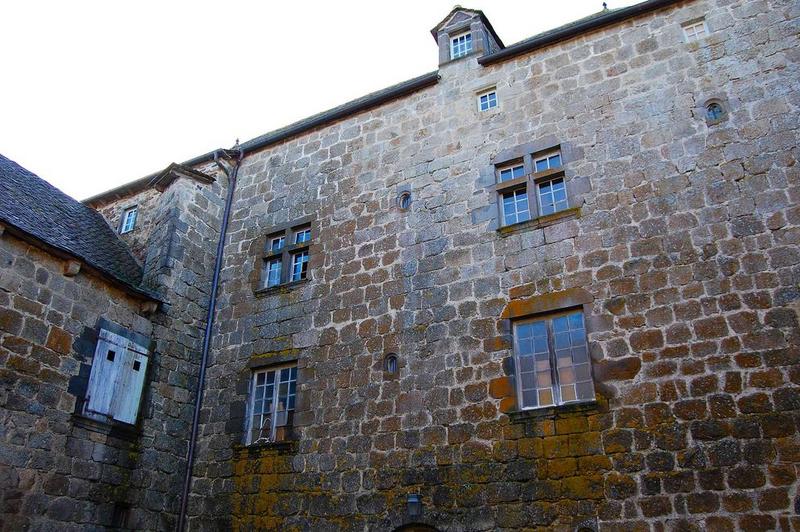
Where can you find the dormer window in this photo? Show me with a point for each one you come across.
(460, 45)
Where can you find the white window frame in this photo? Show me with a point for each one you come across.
(129, 216)
(518, 214)
(280, 241)
(555, 203)
(275, 420)
(270, 278)
(513, 167)
(301, 236)
(555, 384)
(695, 30)
(461, 45)
(301, 258)
(492, 101)
(547, 156)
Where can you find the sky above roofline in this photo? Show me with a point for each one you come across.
(103, 93)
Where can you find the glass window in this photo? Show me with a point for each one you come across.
(277, 243)
(299, 265)
(128, 220)
(515, 207)
(695, 31)
(487, 101)
(511, 172)
(553, 361)
(714, 111)
(460, 45)
(552, 196)
(274, 272)
(547, 161)
(303, 235)
(272, 404)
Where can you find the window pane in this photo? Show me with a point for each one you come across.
(568, 393)
(546, 397)
(555, 161)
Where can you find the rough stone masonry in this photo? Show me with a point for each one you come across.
(679, 247)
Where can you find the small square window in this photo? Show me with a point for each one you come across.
(552, 361)
(547, 161)
(487, 100)
(276, 243)
(552, 196)
(302, 235)
(460, 45)
(272, 403)
(508, 173)
(515, 206)
(694, 31)
(299, 265)
(128, 220)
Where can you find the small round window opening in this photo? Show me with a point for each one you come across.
(715, 112)
(404, 201)
(390, 364)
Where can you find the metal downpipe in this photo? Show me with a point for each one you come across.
(212, 303)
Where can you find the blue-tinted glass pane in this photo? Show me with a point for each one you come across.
(541, 165)
(576, 320)
(555, 161)
(562, 340)
(561, 324)
(270, 377)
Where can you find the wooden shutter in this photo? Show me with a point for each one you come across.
(117, 378)
(128, 395)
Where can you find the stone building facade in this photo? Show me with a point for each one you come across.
(399, 274)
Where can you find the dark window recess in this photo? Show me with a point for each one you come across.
(110, 356)
(136, 365)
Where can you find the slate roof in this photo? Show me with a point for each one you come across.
(33, 206)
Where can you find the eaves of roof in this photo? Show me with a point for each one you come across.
(573, 29)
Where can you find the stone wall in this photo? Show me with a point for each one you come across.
(182, 227)
(685, 240)
(146, 202)
(59, 470)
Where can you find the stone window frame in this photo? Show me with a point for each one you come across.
(721, 102)
(123, 222)
(279, 433)
(505, 387)
(576, 186)
(265, 253)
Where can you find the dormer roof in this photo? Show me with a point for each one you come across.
(458, 16)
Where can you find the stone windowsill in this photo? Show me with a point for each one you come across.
(280, 289)
(540, 222)
(257, 450)
(552, 412)
(114, 429)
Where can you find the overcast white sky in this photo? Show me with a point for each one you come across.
(98, 93)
